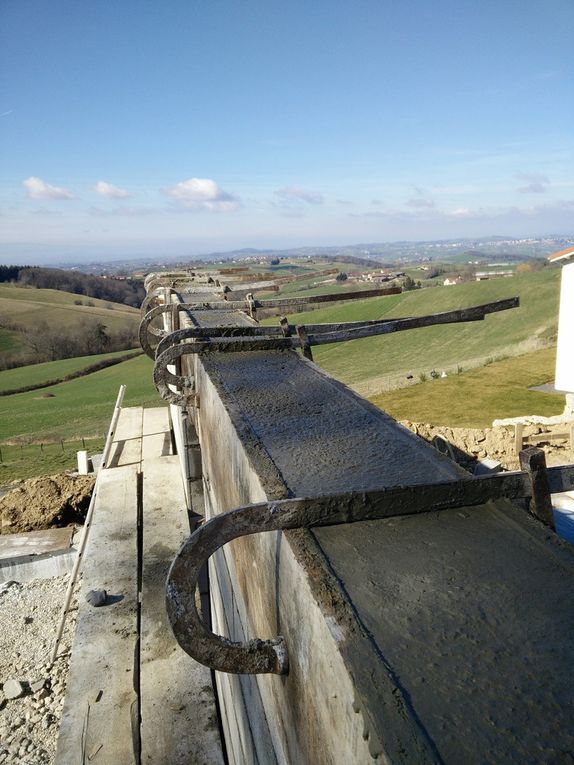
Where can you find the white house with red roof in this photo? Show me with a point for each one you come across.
(565, 351)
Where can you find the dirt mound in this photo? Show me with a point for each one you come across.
(41, 503)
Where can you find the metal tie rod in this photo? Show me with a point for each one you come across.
(270, 656)
(256, 338)
(320, 334)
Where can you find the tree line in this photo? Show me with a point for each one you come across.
(43, 343)
(127, 291)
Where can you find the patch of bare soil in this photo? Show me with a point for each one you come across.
(498, 443)
(45, 502)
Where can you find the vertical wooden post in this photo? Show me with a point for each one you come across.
(174, 317)
(518, 430)
(284, 322)
(305, 344)
(251, 306)
(533, 461)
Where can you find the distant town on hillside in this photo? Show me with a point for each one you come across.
(494, 248)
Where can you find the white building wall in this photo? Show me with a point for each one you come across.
(565, 351)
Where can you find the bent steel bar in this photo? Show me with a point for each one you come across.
(205, 333)
(270, 656)
(257, 338)
(477, 313)
(153, 296)
(145, 328)
(320, 334)
(245, 305)
(163, 378)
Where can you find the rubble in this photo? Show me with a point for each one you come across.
(33, 691)
(496, 443)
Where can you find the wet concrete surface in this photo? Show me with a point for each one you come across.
(471, 608)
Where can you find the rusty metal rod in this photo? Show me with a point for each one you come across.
(270, 656)
(320, 334)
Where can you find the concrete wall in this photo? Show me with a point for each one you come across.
(441, 637)
(307, 717)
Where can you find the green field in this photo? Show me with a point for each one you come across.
(477, 397)
(36, 374)
(31, 460)
(32, 307)
(80, 407)
(371, 364)
(9, 341)
(315, 287)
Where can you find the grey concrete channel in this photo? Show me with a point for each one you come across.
(441, 637)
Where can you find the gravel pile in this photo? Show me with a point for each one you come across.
(32, 695)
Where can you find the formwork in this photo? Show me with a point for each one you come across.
(441, 633)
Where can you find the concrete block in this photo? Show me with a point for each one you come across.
(83, 462)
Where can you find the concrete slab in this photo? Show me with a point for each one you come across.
(133, 695)
(13, 546)
(101, 710)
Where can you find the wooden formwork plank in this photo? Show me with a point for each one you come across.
(178, 714)
(156, 441)
(99, 722)
(126, 446)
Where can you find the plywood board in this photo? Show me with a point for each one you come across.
(126, 446)
(178, 715)
(99, 722)
(35, 542)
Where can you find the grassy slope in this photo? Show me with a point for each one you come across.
(34, 374)
(359, 361)
(9, 341)
(34, 307)
(477, 397)
(307, 288)
(81, 407)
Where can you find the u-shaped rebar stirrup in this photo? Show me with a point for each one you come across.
(270, 656)
(145, 329)
(204, 333)
(163, 378)
(152, 295)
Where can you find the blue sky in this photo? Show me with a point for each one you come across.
(131, 127)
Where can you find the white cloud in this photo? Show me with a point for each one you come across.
(535, 183)
(461, 212)
(296, 193)
(39, 189)
(202, 194)
(105, 189)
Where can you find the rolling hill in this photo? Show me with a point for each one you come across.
(372, 365)
(39, 309)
